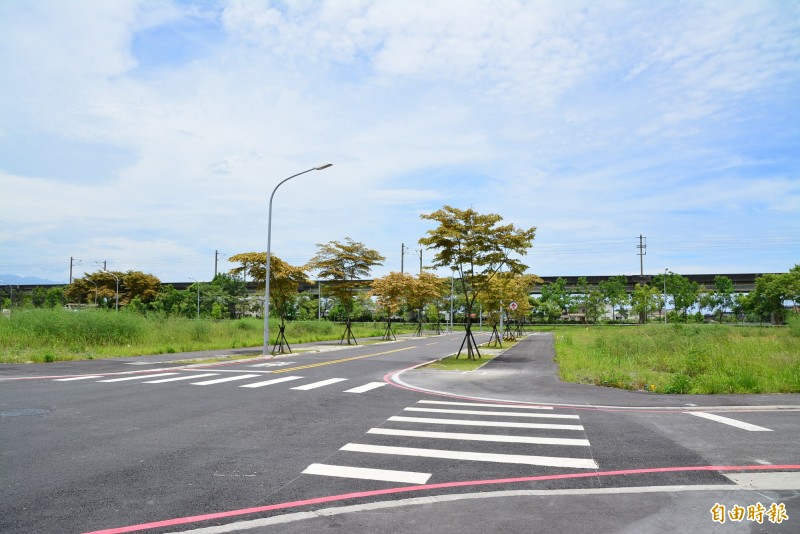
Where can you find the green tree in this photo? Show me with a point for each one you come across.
(425, 290)
(252, 266)
(588, 298)
(613, 292)
(720, 298)
(477, 247)
(645, 300)
(684, 292)
(391, 293)
(345, 264)
(772, 292)
(555, 298)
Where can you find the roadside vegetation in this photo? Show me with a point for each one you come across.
(683, 358)
(46, 335)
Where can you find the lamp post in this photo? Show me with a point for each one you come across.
(198, 296)
(116, 302)
(665, 295)
(95, 290)
(269, 244)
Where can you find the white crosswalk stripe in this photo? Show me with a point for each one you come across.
(504, 414)
(366, 387)
(173, 377)
(222, 380)
(385, 475)
(522, 443)
(580, 463)
(467, 422)
(485, 405)
(270, 382)
(321, 383)
(70, 379)
(179, 378)
(462, 436)
(137, 377)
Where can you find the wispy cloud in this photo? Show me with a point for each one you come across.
(153, 133)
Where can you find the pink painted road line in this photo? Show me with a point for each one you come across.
(426, 487)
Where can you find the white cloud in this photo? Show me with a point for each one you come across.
(592, 121)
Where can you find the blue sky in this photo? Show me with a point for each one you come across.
(150, 134)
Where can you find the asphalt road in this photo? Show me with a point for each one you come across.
(344, 439)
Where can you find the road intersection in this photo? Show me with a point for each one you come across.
(362, 439)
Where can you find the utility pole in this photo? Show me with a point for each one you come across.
(72, 261)
(419, 251)
(216, 259)
(403, 249)
(642, 246)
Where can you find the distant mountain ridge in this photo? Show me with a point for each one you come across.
(14, 279)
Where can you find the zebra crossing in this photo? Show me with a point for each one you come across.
(214, 378)
(461, 432)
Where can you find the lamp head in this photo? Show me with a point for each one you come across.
(322, 166)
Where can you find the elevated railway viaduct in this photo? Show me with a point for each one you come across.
(742, 283)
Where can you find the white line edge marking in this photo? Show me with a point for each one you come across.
(395, 379)
(479, 437)
(550, 461)
(468, 422)
(729, 421)
(436, 499)
(364, 473)
(270, 382)
(321, 383)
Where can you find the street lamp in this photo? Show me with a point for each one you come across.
(116, 303)
(95, 290)
(269, 244)
(665, 295)
(198, 296)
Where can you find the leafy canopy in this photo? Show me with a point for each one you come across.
(476, 246)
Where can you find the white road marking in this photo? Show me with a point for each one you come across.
(77, 378)
(270, 382)
(485, 405)
(320, 384)
(188, 377)
(221, 380)
(549, 461)
(479, 437)
(137, 377)
(271, 364)
(385, 475)
(767, 481)
(252, 524)
(366, 387)
(504, 414)
(731, 422)
(466, 422)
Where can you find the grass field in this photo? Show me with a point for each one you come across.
(682, 358)
(658, 358)
(41, 335)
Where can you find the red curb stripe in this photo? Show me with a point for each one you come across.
(426, 487)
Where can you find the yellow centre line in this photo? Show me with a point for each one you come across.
(291, 369)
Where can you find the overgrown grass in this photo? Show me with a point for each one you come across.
(46, 335)
(700, 359)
